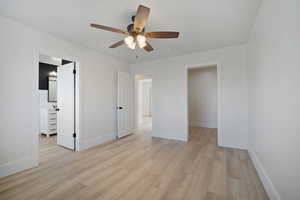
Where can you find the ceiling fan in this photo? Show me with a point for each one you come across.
(136, 31)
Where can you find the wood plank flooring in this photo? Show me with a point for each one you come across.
(139, 167)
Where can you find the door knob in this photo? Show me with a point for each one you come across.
(120, 107)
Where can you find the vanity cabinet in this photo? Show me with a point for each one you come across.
(48, 115)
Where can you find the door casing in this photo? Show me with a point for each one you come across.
(78, 122)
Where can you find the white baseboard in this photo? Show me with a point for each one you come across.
(264, 177)
(208, 124)
(17, 166)
(96, 141)
(171, 138)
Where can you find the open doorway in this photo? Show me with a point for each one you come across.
(203, 102)
(143, 105)
(57, 107)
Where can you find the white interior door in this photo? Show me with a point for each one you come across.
(65, 104)
(125, 104)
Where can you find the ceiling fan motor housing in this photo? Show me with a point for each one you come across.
(133, 18)
(130, 27)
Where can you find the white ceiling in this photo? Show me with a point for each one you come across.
(203, 24)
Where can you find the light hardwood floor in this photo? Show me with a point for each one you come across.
(47, 142)
(140, 167)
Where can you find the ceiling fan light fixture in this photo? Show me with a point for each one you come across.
(141, 40)
(129, 41)
(132, 45)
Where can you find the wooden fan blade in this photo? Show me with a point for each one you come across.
(107, 28)
(162, 34)
(141, 18)
(148, 47)
(117, 44)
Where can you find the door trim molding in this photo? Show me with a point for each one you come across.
(77, 111)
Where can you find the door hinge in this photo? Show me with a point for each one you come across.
(74, 71)
(74, 135)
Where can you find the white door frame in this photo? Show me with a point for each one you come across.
(219, 100)
(35, 135)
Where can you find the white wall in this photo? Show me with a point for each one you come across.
(99, 97)
(169, 93)
(274, 97)
(19, 102)
(202, 97)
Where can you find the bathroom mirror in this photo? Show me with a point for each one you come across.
(52, 91)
